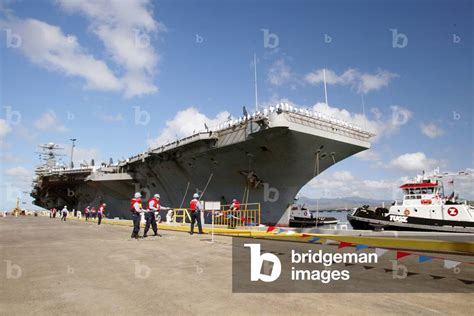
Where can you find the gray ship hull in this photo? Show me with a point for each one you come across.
(271, 160)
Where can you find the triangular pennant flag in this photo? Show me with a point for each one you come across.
(380, 252)
(305, 235)
(401, 254)
(279, 230)
(328, 241)
(242, 219)
(468, 282)
(360, 247)
(368, 267)
(449, 264)
(229, 216)
(270, 228)
(344, 244)
(314, 239)
(437, 277)
(290, 232)
(422, 259)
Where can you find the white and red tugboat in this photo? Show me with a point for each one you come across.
(424, 208)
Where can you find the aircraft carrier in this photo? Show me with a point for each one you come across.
(265, 157)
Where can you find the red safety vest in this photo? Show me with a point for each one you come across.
(236, 205)
(101, 209)
(193, 204)
(86, 210)
(153, 202)
(132, 203)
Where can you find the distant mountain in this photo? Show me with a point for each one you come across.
(341, 203)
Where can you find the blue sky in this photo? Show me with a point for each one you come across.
(74, 76)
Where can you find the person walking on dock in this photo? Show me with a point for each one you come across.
(87, 211)
(136, 209)
(64, 213)
(153, 206)
(195, 207)
(101, 212)
(93, 213)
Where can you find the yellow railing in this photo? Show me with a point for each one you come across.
(248, 215)
(181, 214)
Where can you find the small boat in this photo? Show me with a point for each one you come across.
(424, 208)
(300, 216)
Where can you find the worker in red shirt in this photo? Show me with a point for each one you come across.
(153, 206)
(87, 211)
(136, 209)
(93, 213)
(195, 207)
(235, 205)
(101, 212)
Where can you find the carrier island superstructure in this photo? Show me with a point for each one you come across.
(265, 157)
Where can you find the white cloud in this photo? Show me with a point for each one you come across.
(360, 81)
(17, 172)
(431, 130)
(368, 155)
(279, 73)
(343, 176)
(49, 122)
(47, 46)
(85, 154)
(125, 28)
(414, 162)
(4, 128)
(381, 125)
(185, 123)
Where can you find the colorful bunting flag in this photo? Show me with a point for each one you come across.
(380, 252)
(314, 239)
(422, 259)
(328, 241)
(401, 254)
(270, 228)
(360, 247)
(344, 244)
(449, 264)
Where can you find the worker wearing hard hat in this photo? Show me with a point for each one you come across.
(195, 207)
(136, 209)
(153, 206)
(235, 205)
(64, 213)
(101, 212)
(87, 211)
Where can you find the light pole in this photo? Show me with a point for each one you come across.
(73, 140)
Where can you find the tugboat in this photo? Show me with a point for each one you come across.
(300, 216)
(424, 208)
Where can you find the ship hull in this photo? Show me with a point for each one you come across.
(267, 166)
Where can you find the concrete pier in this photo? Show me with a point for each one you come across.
(50, 267)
